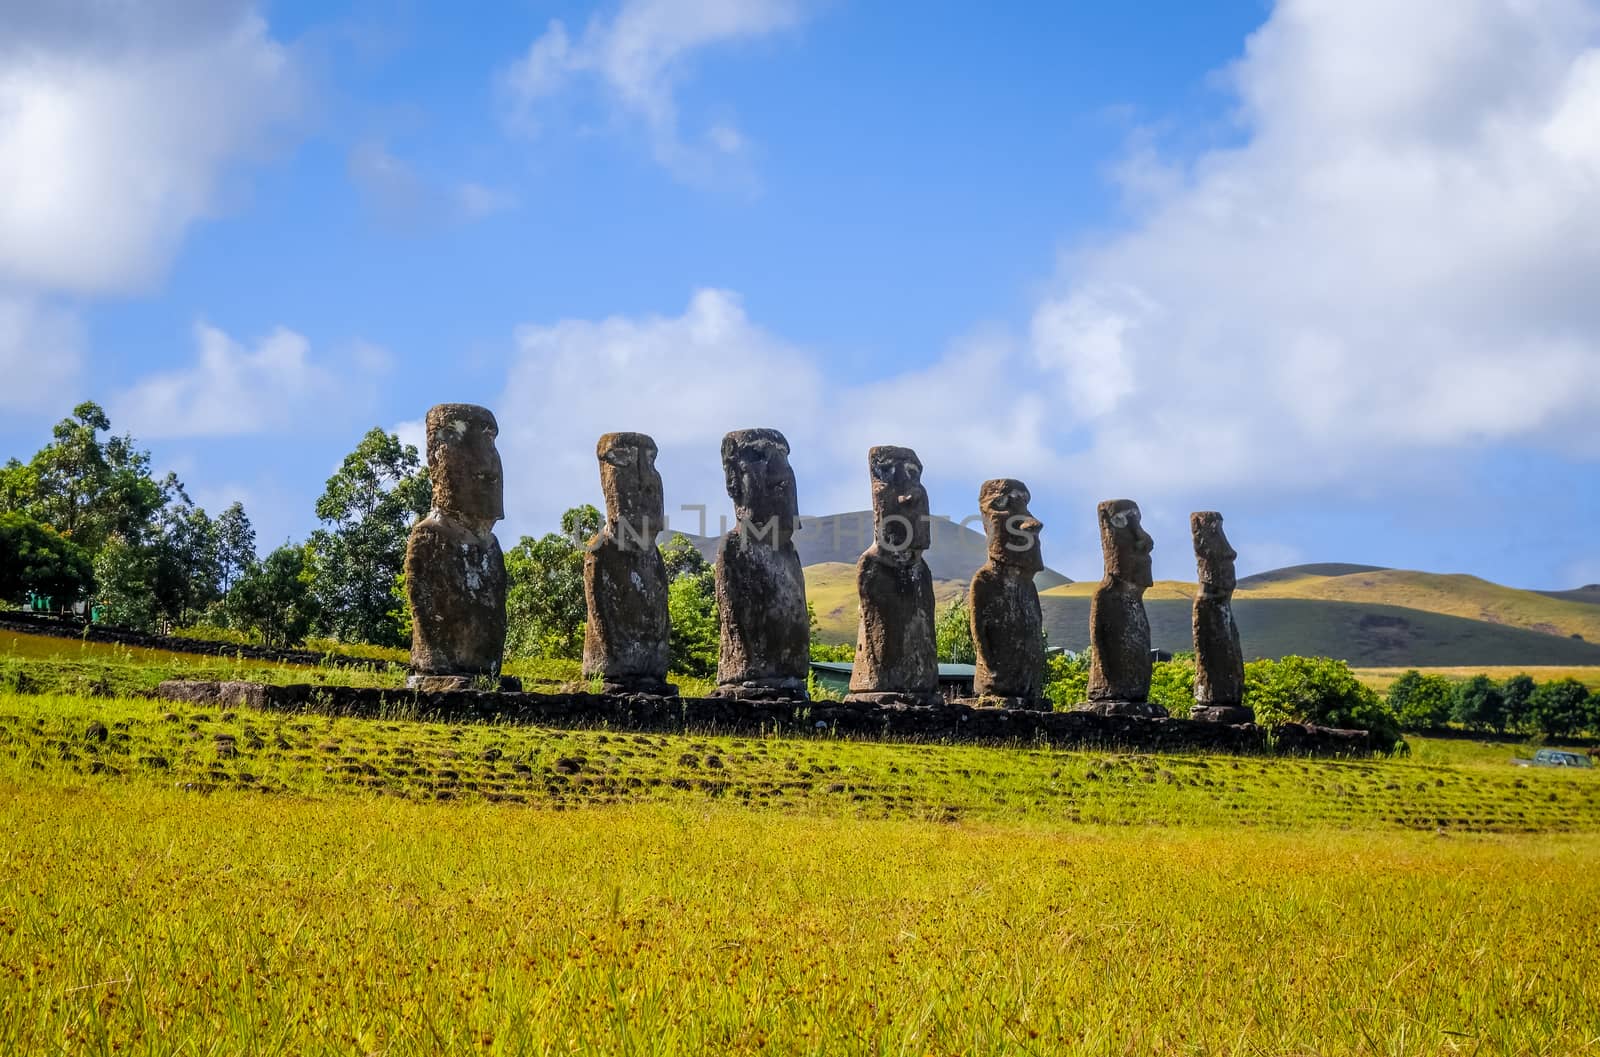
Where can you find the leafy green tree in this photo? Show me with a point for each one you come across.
(683, 558)
(1560, 708)
(952, 634)
(1066, 680)
(236, 545)
(124, 573)
(1478, 704)
(35, 557)
(1172, 684)
(1318, 690)
(545, 608)
(184, 560)
(274, 597)
(369, 505)
(693, 642)
(86, 488)
(1421, 702)
(1516, 696)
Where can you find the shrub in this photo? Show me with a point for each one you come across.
(1318, 690)
(1421, 702)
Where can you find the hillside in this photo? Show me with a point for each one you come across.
(1364, 634)
(1589, 595)
(831, 590)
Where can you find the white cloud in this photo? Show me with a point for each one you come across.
(402, 197)
(686, 380)
(40, 355)
(1397, 260)
(118, 124)
(233, 389)
(638, 56)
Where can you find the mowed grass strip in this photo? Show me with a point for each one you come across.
(202, 750)
(136, 919)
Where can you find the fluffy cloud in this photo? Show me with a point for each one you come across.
(688, 379)
(637, 57)
(40, 355)
(118, 123)
(233, 389)
(1397, 260)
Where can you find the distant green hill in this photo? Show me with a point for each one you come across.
(1589, 595)
(1313, 570)
(1366, 635)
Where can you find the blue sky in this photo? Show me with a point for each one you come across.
(1326, 267)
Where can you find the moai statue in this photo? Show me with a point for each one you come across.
(761, 591)
(624, 578)
(1007, 625)
(896, 660)
(1218, 660)
(455, 573)
(1119, 631)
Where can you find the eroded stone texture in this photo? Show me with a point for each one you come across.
(624, 578)
(896, 659)
(1218, 658)
(1119, 631)
(455, 572)
(1007, 625)
(761, 591)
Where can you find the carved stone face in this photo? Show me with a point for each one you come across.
(632, 486)
(899, 502)
(760, 480)
(1214, 556)
(1124, 543)
(468, 481)
(1013, 532)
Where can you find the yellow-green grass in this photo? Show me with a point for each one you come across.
(1453, 595)
(1381, 679)
(141, 919)
(831, 590)
(202, 749)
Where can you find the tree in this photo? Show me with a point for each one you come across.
(36, 558)
(1318, 690)
(683, 558)
(369, 505)
(86, 489)
(1516, 694)
(184, 561)
(1172, 684)
(952, 634)
(236, 545)
(274, 597)
(1560, 708)
(693, 643)
(1421, 702)
(1478, 704)
(1066, 680)
(123, 575)
(545, 607)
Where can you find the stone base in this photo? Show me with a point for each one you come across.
(1026, 704)
(1230, 714)
(639, 687)
(430, 684)
(1125, 708)
(786, 690)
(928, 699)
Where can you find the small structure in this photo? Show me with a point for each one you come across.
(954, 680)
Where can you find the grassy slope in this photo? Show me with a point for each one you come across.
(910, 899)
(1365, 635)
(831, 590)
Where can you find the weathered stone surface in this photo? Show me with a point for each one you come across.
(1218, 657)
(624, 578)
(1007, 625)
(761, 591)
(896, 659)
(946, 722)
(455, 572)
(1119, 631)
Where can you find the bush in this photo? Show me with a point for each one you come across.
(1561, 708)
(1172, 684)
(1318, 690)
(1421, 702)
(1479, 704)
(1066, 680)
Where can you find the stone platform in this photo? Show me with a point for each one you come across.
(888, 722)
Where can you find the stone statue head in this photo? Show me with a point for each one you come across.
(1013, 532)
(1214, 556)
(632, 487)
(760, 481)
(468, 482)
(899, 502)
(1125, 544)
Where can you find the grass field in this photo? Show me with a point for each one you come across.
(253, 883)
(1589, 675)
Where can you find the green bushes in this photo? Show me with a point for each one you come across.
(1559, 708)
(1318, 690)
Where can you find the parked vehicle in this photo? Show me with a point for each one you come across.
(1555, 758)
